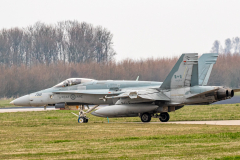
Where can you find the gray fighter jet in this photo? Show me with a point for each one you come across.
(185, 85)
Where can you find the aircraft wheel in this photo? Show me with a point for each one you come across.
(146, 117)
(80, 120)
(164, 117)
(86, 120)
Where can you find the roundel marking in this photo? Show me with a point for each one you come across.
(72, 96)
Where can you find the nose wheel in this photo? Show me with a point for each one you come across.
(82, 120)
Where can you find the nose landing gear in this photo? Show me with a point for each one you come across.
(82, 118)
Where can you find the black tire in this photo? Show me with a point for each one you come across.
(146, 117)
(80, 120)
(85, 120)
(164, 117)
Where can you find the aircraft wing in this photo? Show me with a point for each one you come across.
(135, 95)
(148, 94)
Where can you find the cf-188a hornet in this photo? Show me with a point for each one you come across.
(184, 85)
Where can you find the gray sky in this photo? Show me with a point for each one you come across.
(140, 28)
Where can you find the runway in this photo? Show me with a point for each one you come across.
(214, 122)
(25, 109)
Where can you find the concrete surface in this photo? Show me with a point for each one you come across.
(24, 109)
(215, 122)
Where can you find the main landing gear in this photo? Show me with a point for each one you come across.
(163, 117)
(146, 117)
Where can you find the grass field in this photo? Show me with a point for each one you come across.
(5, 102)
(57, 135)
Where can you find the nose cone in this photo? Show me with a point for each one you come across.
(21, 101)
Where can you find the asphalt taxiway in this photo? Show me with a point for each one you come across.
(214, 122)
(25, 109)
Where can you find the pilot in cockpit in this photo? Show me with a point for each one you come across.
(73, 81)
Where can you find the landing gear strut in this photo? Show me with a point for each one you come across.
(164, 117)
(82, 118)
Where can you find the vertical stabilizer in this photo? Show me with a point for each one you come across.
(205, 65)
(184, 73)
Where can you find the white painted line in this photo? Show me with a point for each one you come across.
(216, 122)
(24, 109)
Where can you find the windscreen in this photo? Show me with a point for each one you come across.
(73, 81)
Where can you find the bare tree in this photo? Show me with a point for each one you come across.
(215, 48)
(68, 41)
(228, 46)
(236, 43)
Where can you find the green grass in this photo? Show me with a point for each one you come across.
(57, 135)
(207, 112)
(4, 103)
(196, 113)
(229, 158)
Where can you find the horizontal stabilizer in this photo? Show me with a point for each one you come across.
(203, 93)
(236, 90)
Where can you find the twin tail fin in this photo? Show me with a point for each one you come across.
(183, 74)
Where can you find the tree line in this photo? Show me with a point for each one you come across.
(66, 41)
(40, 56)
(20, 80)
(230, 46)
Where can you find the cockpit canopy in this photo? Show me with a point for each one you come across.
(73, 81)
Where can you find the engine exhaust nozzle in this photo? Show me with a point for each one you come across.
(222, 93)
(231, 92)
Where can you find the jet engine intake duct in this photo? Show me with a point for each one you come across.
(222, 93)
(60, 105)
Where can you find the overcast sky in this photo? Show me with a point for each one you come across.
(141, 29)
